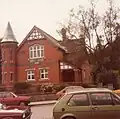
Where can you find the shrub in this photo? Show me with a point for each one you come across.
(21, 87)
(58, 87)
(39, 88)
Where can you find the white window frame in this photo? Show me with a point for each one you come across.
(84, 73)
(36, 51)
(30, 73)
(44, 73)
(4, 77)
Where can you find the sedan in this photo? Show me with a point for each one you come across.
(15, 112)
(10, 98)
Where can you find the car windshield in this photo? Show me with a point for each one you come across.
(14, 94)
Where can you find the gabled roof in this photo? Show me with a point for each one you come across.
(76, 51)
(9, 35)
(44, 35)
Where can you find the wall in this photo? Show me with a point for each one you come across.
(51, 61)
(86, 72)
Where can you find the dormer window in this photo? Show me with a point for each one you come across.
(36, 51)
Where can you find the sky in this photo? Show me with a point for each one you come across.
(45, 14)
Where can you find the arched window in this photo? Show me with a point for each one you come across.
(36, 51)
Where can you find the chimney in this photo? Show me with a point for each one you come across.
(63, 33)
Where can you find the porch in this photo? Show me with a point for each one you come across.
(69, 73)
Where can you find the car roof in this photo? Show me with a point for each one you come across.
(85, 90)
(73, 87)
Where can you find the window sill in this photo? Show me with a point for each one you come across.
(36, 58)
(43, 79)
(30, 80)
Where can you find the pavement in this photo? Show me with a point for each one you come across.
(43, 102)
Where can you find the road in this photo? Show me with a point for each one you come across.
(42, 112)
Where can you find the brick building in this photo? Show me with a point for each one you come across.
(39, 58)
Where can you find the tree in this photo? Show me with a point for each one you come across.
(97, 31)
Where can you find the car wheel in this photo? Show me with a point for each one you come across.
(22, 104)
(69, 118)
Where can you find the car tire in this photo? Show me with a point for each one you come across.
(70, 117)
(22, 104)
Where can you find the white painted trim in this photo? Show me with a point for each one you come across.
(30, 80)
(30, 69)
(44, 79)
(43, 68)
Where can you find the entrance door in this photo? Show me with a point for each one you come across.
(68, 75)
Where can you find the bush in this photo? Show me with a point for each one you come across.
(89, 86)
(58, 87)
(21, 87)
(38, 88)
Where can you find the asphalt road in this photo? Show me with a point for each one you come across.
(42, 112)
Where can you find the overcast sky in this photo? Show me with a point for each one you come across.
(45, 14)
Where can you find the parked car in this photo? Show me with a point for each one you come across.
(15, 112)
(67, 90)
(88, 103)
(10, 98)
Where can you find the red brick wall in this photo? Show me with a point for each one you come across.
(51, 61)
(8, 51)
(86, 72)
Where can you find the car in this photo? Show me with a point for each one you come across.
(15, 112)
(10, 98)
(88, 103)
(67, 89)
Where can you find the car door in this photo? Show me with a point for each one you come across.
(79, 106)
(1, 97)
(116, 106)
(103, 106)
(9, 99)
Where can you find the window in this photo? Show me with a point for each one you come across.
(11, 76)
(30, 75)
(44, 73)
(1, 94)
(8, 95)
(84, 74)
(4, 77)
(101, 99)
(11, 52)
(36, 51)
(4, 55)
(116, 100)
(79, 100)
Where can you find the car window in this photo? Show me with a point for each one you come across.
(101, 99)
(8, 94)
(1, 95)
(116, 100)
(79, 100)
(64, 91)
